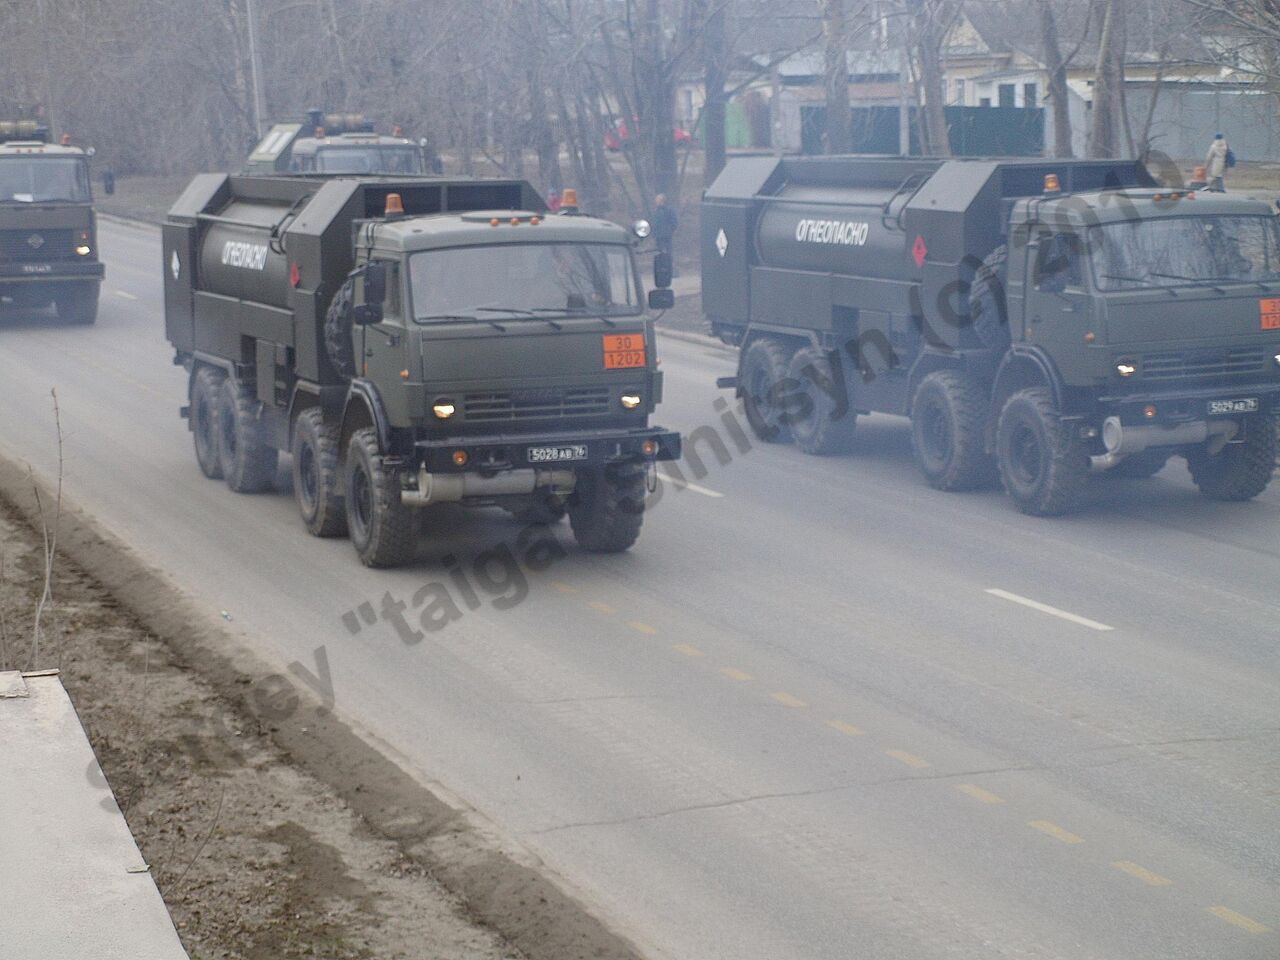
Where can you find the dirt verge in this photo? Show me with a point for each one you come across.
(273, 829)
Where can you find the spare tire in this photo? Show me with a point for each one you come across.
(337, 332)
(988, 309)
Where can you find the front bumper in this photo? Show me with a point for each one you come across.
(51, 272)
(1186, 405)
(497, 453)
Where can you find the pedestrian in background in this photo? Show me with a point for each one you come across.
(665, 223)
(1216, 163)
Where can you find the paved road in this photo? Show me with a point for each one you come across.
(821, 711)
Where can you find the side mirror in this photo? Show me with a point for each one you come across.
(664, 298)
(375, 283)
(662, 269)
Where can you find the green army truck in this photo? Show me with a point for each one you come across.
(48, 235)
(1039, 321)
(415, 342)
(335, 144)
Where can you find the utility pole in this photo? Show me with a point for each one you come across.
(255, 65)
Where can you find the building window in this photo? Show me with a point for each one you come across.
(1008, 94)
(959, 93)
(1030, 95)
(984, 101)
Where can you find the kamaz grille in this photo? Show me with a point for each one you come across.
(40, 245)
(535, 405)
(1203, 365)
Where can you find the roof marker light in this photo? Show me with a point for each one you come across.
(1051, 184)
(394, 207)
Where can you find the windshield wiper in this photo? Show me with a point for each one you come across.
(1142, 280)
(522, 311)
(1210, 282)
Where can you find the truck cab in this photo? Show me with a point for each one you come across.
(336, 145)
(48, 234)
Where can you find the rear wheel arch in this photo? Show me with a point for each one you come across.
(1022, 368)
(364, 408)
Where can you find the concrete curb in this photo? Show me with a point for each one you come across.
(700, 339)
(502, 885)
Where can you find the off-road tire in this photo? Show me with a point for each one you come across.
(248, 461)
(821, 427)
(948, 429)
(540, 507)
(606, 507)
(1240, 471)
(382, 529)
(77, 303)
(338, 344)
(317, 481)
(988, 308)
(764, 367)
(206, 388)
(1140, 466)
(1043, 464)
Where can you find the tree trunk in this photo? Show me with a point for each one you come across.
(836, 49)
(1059, 94)
(715, 70)
(931, 30)
(1106, 80)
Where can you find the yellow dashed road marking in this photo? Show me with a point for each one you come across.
(1055, 831)
(975, 791)
(601, 607)
(642, 627)
(787, 700)
(1142, 873)
(848, 729)
(733, 673)
(1239, 920)
(910, 759)
(688, 650)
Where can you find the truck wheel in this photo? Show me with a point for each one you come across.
(823, 429)
(988, 309)
(315, 475)
(337, 332)
(382, 528)
(1140, 466)
(606, 507)
(206, 387)
(764, 368)
(77, 302)
(248, 461)
(948, 417)
(1240, 471)
(1043, 465)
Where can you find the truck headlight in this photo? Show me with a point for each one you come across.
(630, 400)
(83, 249)
(1276, 358)
(1126, 368)
(444, 410)
(642, 229)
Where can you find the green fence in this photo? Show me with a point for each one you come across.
(973, 131)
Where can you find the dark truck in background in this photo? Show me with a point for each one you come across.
(48, 235)
(415, 342)
(1036, 320)
(335, 144)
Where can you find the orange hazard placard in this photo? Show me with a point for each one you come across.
(623, 350)
(1269, 311)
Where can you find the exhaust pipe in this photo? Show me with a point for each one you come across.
(455, 487)
(1122, 441)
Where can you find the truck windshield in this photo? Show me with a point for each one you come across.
(41, 179)
(1182, 251)
(535, 279)
(393, 160)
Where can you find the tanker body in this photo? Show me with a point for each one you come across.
(1038, 321)
(414, 342)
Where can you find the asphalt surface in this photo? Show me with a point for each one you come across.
(820, 711)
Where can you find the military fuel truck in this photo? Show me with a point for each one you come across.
(415, 342)
(1037, 321)
(48, 236)
(335, 144)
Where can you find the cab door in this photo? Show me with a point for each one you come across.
(1058, 305)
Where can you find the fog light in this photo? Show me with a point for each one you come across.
(630, 400)
(444, 410)
(459, 458)
(649, 448)
(1126, 369)
(84, 249)
(1149, 412)
(1276, 358)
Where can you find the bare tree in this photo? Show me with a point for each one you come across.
(1056, 67)
(835, 45)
